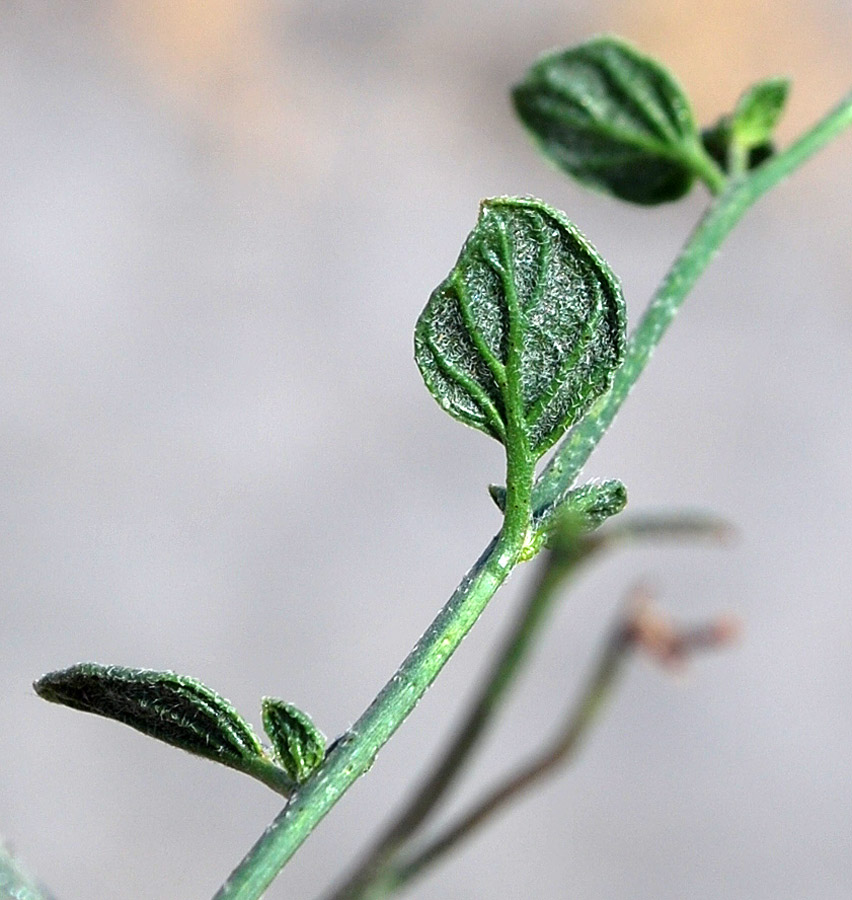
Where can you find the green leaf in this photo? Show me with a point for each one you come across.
(172, 708)
(614, 119)
(758, 111)
(528, 328)
(717, 140)
(744, 138)
(298, 744)
(593, 502)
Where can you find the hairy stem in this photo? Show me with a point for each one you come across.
(375, 873)
(353, 755)
(711, 232)
(507, 666)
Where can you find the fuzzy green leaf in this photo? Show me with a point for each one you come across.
(298, 744)
(614, 119)
(527, 329)
(173, 708)
(758, 111)
(593, 503)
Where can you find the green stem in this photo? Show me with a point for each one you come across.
(353, 755)
(271, 775)
(374, 875)
(708, 170)
(508, 664)
(716, 225)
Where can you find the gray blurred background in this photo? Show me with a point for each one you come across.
(219, 223)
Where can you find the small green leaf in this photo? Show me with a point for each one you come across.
(717, 140)
(758, 111)
(743, 139)
(614, 119)
(298, 744)
(172, 708)
(593, 502)
(585, 508)
(526, 331)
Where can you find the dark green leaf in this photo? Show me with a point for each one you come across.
(172, 708)
(528, 328)
(758, 111)
(614, 119)
(298, 744)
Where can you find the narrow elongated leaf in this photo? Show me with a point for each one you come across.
(298, 744)
(527, 329)
(758, 111)
(614, 119)
(172, 708)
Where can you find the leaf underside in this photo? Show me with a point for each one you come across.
(613, 118)
(528, 327)
(298, 744)
(176, 709)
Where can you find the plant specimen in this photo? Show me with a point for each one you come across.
(525, 340)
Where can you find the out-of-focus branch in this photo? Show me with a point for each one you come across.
(642, 628)
(570, 548)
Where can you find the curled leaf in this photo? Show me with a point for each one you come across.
(527, 329)
(173, 708)
(594, 503)
(298, 744)
(614, 119)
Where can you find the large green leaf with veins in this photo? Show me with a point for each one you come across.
(614, 119)
(526, 330)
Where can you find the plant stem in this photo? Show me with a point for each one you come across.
(271, 775)
(708, 170)
(508, 664)
(714, 227)
(375, 872)
(354, 754)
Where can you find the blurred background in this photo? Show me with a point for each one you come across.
(219, 223)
